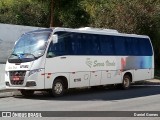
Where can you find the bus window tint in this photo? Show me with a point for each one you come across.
(75, 44)
(145, 48)
(107, 45)
(91, 44)
(132, 46)
(71, 43)
(120, 46)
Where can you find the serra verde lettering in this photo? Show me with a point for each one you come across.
(96, 63)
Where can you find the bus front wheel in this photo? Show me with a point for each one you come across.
(58, 88)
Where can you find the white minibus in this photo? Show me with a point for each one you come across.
(57, 59)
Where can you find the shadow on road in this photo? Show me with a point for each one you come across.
(100, 94)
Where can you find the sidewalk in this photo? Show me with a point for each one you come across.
(10, 93)
(6, 93)
(148, 82)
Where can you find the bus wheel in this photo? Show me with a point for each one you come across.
(126, 82)
(27, 93)
(58, 88)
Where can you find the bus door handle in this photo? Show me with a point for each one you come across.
(63, 57)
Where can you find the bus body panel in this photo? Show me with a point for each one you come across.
(95, 78)
(111, 77)
(83, 70)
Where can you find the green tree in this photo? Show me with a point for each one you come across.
(51, 7)
(67, 13)
(128, 16)
(23, 12)
(71, 14)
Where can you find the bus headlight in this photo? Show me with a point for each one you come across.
(35, 71)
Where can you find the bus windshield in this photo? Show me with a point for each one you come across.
(29, 47)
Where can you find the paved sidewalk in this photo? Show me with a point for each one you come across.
(148, 82)
(6, 93)
(10, 93)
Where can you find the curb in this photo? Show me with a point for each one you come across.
(148, 82)
(8, 93)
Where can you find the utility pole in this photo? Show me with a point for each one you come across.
(52, 14)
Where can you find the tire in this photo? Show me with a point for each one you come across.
(58, 88)
(126, 82)
(27, 93)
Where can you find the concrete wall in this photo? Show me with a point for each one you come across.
(8, 35)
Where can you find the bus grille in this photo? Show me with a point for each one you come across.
(17, 77)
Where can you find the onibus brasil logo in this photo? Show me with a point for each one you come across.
(95, 63)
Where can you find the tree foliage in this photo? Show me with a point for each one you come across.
(24, 12)
(129, 16)
(68, 13)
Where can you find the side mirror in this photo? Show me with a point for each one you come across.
(54, 38)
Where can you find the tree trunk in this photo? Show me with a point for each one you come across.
(52, 14)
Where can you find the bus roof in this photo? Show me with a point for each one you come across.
(91, 31)
(97, 31)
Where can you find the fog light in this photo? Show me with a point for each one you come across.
(7, 84)
(31, 83)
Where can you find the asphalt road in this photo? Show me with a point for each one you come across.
(137, 98)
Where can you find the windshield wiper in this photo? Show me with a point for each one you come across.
(14, 54)
(24, 57)
(24, 54)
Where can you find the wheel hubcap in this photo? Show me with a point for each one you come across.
(58, 88)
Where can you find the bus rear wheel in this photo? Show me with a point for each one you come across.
(27, 93)
(126, 82)
(58, 88)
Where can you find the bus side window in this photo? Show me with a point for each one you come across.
(131, 46)
(76, 46)
(145, 47)
(50, 52)
(120, 46)
(59, 48)
(107, 45)
(91, 44)
(135, 46)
